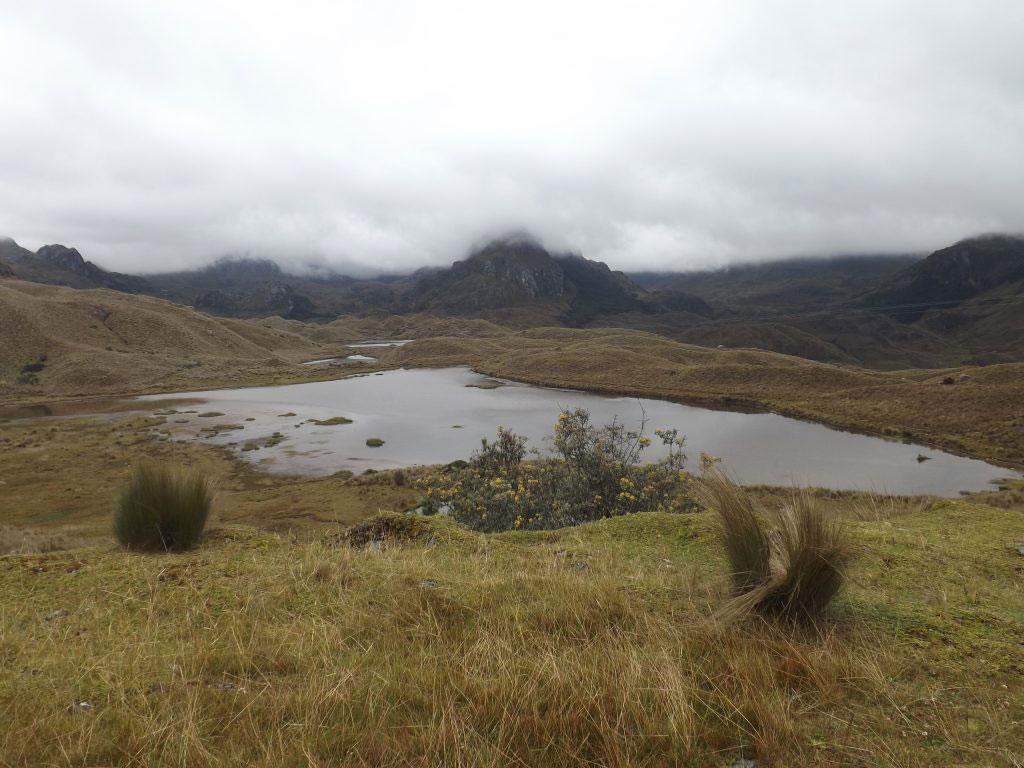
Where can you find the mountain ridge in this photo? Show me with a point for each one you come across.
(968, 299)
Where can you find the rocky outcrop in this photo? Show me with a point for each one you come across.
(60, 265)
(63, 257)
(519, 272)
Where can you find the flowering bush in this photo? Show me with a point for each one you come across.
(595, 472)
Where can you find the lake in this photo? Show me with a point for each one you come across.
(433, 416)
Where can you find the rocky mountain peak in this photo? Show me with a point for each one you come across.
(62, 256)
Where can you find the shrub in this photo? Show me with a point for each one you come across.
(385, 528)
(789, 562)
(162, 510)
(596, 472)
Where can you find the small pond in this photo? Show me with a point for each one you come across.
(433, 416)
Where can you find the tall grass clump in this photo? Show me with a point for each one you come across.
(590, 473)
(788, 562)
(162, 510)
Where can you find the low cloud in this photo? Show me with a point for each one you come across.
(388, 136)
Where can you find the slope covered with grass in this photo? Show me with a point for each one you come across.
(61, 341)
(588, 645)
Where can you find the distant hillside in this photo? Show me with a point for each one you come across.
(783, 284)
(246, 287)
(57, 340)
(966, 270)
(60, 265)
(961, 305)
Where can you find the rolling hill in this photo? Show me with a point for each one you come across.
(57, 341)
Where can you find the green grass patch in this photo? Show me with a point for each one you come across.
(334, 421)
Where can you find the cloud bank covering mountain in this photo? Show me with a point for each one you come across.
(376, 137)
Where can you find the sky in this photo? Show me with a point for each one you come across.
(389, 135)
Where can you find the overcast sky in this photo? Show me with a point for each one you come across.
(388, 134)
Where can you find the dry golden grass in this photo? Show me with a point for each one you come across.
(16, 540)
(104, 342)
(587, 646)
(596, 645)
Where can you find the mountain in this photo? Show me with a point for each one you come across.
(950, 276)
(513, 279)
(971, 294)
(518, 273)
(967, 300)
(60, 265)
(781, 285)
(960, 305)
(247, 287)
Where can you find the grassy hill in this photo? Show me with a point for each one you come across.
(59, 341)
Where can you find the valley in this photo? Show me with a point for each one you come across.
(282, 599)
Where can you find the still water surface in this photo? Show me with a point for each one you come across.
(431, 416)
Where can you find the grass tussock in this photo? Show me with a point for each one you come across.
(789, 562)
(162, 510)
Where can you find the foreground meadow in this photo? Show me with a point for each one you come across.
(587, 646)
(590, 645)
(279, 641)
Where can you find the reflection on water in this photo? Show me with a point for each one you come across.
(379, 343)
(346, 359)
(438, 415)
